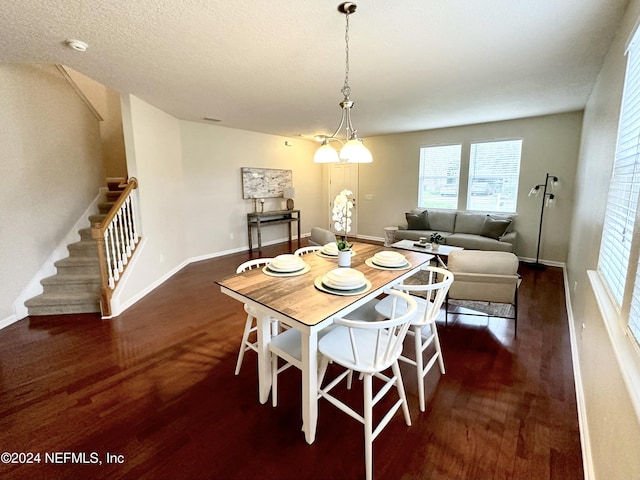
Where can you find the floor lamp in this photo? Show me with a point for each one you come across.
(548, 199)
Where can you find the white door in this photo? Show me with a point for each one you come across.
(344, 176)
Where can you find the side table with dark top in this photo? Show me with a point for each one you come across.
(258, 220)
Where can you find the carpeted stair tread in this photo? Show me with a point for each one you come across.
(83, 247)
(72, 284)
(75, 288)
(62, 299)
(112, 196)
(105, 207)
(61, 303)
(70, 279)
(116, 183)
(77, 262)
(97, 218)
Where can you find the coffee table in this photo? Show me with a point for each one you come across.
(443, 250)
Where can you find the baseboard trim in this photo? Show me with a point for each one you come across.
(5, 322)
(583, 425)
(548, 263)
(117, 307)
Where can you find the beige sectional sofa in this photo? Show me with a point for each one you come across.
(469, 230)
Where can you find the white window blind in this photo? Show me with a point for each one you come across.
(439, 176)
(494, 170)
(622, 202)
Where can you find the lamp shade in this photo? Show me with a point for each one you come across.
(289, 192)
(326, 154)
(354, 151)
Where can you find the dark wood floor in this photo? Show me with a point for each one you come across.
(156, 387)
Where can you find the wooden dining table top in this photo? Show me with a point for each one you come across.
(297, 296)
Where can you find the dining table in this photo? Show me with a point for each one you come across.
(301, 302)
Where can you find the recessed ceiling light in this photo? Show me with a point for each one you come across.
(77, 45)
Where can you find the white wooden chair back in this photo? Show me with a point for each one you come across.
(305, 250)
(385, 337)
(251, 264)
(435, 292)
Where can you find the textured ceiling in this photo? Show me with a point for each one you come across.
(277, 66)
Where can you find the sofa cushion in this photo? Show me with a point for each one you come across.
(469, 241)
(441, 220)
(494, 227)
(469, 223)
(416, 234)
(417, 220)
(479, 262)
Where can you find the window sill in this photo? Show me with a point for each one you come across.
(624, 348)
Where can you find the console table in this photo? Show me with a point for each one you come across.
(258, 220)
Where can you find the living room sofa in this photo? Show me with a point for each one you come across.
(469, 230)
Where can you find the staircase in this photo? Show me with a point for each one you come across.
(75, 288)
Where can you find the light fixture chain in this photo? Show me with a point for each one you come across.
(346, 89)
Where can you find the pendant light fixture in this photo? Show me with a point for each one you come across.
(353, 150)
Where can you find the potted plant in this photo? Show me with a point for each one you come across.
(436, 239)
(342, 217)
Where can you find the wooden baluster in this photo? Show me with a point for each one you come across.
(127, 226)
(123, 238)
(116, 223)
(117, 237)
(111, 282)
(114, 255)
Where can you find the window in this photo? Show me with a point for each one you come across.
(439, 176)
(614, 261)
(494, 170)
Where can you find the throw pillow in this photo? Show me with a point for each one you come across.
(442, 221)
(494, 227)
(469, 223)
(417, 220)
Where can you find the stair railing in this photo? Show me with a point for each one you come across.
(117, 237)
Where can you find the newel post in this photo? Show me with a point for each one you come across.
(105, 292)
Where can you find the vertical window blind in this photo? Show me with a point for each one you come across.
(622, 201)
(439, 176)
(494, 171)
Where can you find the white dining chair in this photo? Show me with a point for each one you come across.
(429, 296)
(306, 250)
(287, 345)
(369, 348)
(250, 324)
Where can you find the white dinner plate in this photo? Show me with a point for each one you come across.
(274, 273)
(371, 263)
(286, 263)
(345, 277)
(345, 293)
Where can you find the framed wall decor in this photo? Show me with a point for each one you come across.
(264, 182)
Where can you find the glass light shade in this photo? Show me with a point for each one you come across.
(551, 201)
(535, 191)
(354, 151)
(326, 154)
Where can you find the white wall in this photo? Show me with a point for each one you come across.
(154, 158)
(190, 195)
(51, 166)
(613, 427)
(550, 144)
(107, 103)
(214, 208)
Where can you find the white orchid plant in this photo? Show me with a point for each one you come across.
(342, 217)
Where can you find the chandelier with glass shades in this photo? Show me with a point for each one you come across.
(353, 150)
